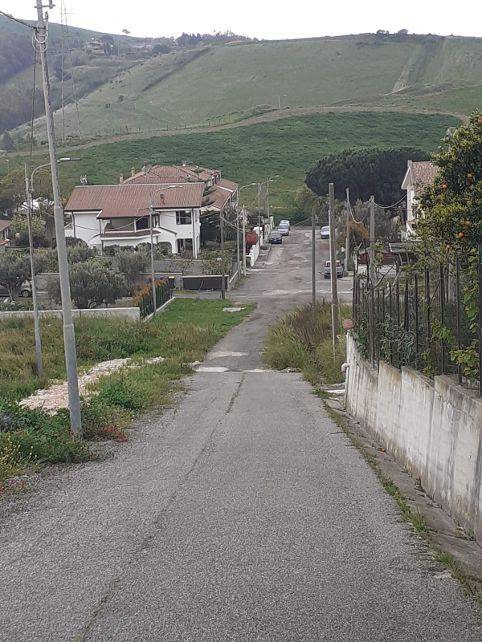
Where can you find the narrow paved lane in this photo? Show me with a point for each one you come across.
(242, 514)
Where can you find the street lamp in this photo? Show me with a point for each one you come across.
(243, 216)
(36, 320)
(151, 213)
(266, 208)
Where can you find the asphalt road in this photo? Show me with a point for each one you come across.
(242, 514)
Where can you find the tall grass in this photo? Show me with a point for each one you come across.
(302, 341)
(188, 327)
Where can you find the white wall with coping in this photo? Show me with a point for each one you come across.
(132, 314)
(434, 429)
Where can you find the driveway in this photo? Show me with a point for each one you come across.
(242, 514)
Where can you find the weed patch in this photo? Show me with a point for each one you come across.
(31, 437)
(302, 341)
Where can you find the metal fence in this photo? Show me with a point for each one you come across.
(144, 299)
(418, 317)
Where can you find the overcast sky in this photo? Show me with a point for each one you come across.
(265, 18)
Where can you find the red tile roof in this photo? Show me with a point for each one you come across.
(132, 199)
(172, 173)
(423, 174)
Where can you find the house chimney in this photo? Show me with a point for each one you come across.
(121, 179)
(133, 171)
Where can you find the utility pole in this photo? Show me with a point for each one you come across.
(372, 277)
(243, 214)
(68, 323)
(223, 275)
(153, 274)
(313, 260)
(334, 284)
(347, 241)
(36, 320)
(238, 258)
(260, 187)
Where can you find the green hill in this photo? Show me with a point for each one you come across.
(220, 84)
(82, 73)
(288, 148)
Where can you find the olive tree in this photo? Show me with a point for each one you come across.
(92, 283)
(14, 270)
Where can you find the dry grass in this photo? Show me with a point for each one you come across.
(303, 341)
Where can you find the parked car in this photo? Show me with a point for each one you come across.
(276, 238)
(25, 290)
(285, 221)
(284, 229)
(325, 232)
(327, 270)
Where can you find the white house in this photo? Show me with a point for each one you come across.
(419, 176)
(4, 228)
(104, 215)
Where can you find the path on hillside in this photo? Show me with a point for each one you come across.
(277, 114)
(242, 514)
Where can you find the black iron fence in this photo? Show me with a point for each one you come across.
(428, 318)
(144, 299)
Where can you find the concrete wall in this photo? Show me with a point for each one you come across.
(132, 314)
(434, 429)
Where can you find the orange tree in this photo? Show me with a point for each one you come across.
(451, 225)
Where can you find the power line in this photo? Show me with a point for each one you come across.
(20, 22)
(387, 207)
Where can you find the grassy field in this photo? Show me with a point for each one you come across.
(227, 83)
(288, 147)
(183, 334)
(197, 325)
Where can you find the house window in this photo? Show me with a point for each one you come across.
(142, 223)
(183, 218)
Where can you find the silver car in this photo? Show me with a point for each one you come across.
(325, 232)
(284, 229)
(327, 270)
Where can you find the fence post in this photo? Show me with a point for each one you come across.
(416, 319)
(427, 305)
(442, 312)
(480, 318)
(390, 312)
(457, 310)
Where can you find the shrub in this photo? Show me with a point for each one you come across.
(14, 270)
(92, 283)
(131, 265)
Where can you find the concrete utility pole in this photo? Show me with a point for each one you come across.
(260, 188)
(347, 241)
(238, 258)
(36, 320)
(223, 275)
(243, 215)
(68, 323)
(313, 259)
(334, 284)
(372, 275)
(153, 274)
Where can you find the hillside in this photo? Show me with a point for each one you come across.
(225, 83)
(82, 73)
(288, 148)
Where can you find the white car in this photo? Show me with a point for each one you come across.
(284, 229)
(285, 221)
(325, 232)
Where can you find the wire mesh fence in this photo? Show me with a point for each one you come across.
(422, 317)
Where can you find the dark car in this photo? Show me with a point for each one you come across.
(276, 238)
